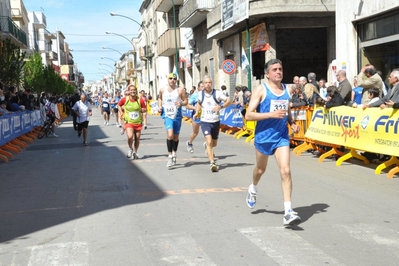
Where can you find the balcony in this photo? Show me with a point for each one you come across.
(166, 5)
(193, 12)
(39, 20)
(9, 29)
(52, 56)
(166, 43)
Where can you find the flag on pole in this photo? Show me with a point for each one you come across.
(244, 61)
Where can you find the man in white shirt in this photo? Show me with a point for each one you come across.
(83, 112)
(209, 104)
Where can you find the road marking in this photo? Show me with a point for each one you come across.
(287, 248)
(373, 234)
(71, 254)
(195, 191)
(174, 249)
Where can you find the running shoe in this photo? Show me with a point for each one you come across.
(135, 156)
(206, 153)
(169, 163)
(174, 159)
(107, 124)
(54, 135)
(190, 147)
(251, 199)
(291, 218)
(214, 167)
(84, 143)
(129, 153)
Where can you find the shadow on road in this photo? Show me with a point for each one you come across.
(56, 180)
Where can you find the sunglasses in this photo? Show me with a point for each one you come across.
(173, 78)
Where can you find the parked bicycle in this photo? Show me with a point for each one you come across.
(45, 129)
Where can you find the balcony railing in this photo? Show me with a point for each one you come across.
(166, 43)
(8, 26)
(193, 12)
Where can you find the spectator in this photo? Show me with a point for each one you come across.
(392, 96)
(224, 90)
(344, 87)
(334, 98)
(238, 97)
(3, 109)
(309, 89)
(298, 98)
(369, 78)
(356, 93)
(373, 96)
(323, 88)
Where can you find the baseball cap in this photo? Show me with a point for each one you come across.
(172, 75)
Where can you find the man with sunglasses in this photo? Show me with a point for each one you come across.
(171, 99)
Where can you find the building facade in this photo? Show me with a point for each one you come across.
(367, 33)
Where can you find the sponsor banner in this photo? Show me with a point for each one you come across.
(17, 124)
(371, 129)
(231, 116)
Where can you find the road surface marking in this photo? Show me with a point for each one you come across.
(174, 249)
(71, 254)
(287, 248)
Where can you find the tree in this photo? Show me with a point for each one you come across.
(34, 73)
(11, 63)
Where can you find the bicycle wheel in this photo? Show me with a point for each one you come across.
(43, 131)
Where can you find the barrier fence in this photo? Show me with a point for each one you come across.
(18, 129)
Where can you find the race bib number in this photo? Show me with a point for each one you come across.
(105, 105)
(208, 113)
(171, 110)
(278, 105)
(134, 115)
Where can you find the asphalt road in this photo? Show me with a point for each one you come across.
(66, 204)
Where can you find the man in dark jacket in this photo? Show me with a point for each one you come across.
(75, 98)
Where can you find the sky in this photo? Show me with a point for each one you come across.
(84, 24)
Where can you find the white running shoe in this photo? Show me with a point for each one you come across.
(129, 153)
(107, 124)
(170, 162)
(135, 156)
(291, 218)
(251, 199)
(54, 135)
(189, 147)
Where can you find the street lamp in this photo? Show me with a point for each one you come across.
(103, 57)
(104, 47)
(174, 26)
(146, 39)
(106, 65)
(113, 33)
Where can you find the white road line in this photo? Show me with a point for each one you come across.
(287, 248)
(174, 249)
(71, 254)
(373, 234)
